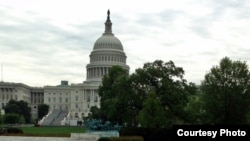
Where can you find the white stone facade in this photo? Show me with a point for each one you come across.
(76, 98)
(18, 91)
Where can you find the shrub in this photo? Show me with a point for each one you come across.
(104, 139)
(123, 138)
(3, 131)
(148, 134)
(13, 130)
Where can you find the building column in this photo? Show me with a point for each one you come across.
(91, 72)
(102, 71)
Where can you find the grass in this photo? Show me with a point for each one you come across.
(51, 131)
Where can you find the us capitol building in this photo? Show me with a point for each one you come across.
(69, 103)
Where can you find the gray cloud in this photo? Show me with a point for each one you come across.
(49, 50)
(41, 47)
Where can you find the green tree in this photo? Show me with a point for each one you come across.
(152, 114)
(21, 120)
(122, 96)
(226, 93)
(195, 109)
(11, 118)
(117, 96)
(167, 80)
(19, 107)
(43, 110)
(95, 113)
(1, 119)
(12, 108)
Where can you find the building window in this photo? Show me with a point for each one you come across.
(66, 100)
(88, 98)
(60, 99)
(49, 99)
(77, 98)
(96, 98)
(76, 115)
(76, 106)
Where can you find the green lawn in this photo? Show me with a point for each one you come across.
(54, 131)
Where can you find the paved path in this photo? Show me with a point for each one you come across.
(91, 136)
(15, 138)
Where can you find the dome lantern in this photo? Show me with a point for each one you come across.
(108, 25)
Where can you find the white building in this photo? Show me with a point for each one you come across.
(79, 98)
(18, 91)
(72, 102)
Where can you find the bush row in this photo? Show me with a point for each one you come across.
(10, 130)
(123, 138)
(148, 134)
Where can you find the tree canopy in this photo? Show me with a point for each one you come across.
(226, 92)
(124, 96)
(19, 107)
(114, 93)
(152, 114)
(43, 110)
(157, 95)
(167, 80)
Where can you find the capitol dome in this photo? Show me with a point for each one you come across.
(108, 42)
(107, 52)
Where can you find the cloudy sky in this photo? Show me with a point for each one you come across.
(45, 41)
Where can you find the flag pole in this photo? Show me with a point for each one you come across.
(1, 72)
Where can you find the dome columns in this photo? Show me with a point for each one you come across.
(108, 58)
(97, 72)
